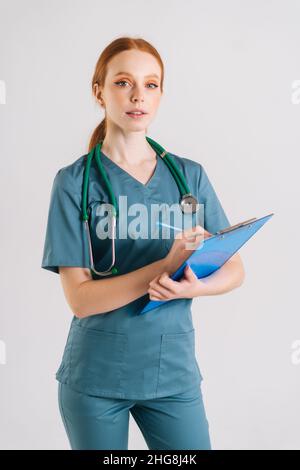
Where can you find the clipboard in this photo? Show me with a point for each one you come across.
(214, 251)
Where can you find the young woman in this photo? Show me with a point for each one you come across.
(115, 360)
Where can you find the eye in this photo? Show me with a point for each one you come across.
(121, 81)
(125, 81)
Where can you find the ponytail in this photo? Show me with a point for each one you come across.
(98, 134)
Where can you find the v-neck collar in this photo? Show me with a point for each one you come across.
(117, 168)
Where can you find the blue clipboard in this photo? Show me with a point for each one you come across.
(214, 251)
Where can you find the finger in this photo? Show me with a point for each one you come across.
(189, 273)
(195, 235)
(168, 283)
(207, 234)
(156, 299)
(191, 231)
(197, 229)
(154, 281)
(155, 293)
(192, 243)
(162, 290)
(194, 238)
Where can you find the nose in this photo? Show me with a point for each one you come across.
(138, 95)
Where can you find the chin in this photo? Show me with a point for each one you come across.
(137, 126)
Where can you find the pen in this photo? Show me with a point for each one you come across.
(170, 226)
(180, 230)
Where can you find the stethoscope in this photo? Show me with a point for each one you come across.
(188, 202)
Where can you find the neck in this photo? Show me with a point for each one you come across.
(129, 148)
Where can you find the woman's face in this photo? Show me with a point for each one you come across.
(132, 81)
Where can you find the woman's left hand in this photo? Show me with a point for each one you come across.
(162, 287)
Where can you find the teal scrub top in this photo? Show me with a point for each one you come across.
(119, 353)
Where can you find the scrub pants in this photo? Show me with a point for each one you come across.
(173, 422)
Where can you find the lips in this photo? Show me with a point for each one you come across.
(135, 115)
(136, 111)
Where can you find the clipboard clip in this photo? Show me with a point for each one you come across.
(228, 229)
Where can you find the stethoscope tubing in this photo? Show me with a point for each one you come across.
(95, 153)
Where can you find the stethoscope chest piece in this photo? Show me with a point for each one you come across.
(189, 204)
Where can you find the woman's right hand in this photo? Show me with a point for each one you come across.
(184, 244)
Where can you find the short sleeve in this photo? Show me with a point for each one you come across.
(215, 218)
(65, 240)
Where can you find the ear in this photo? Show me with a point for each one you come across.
(97, 92)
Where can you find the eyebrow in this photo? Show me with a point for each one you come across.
(146, 76)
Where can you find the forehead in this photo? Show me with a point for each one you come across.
(139, 64)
